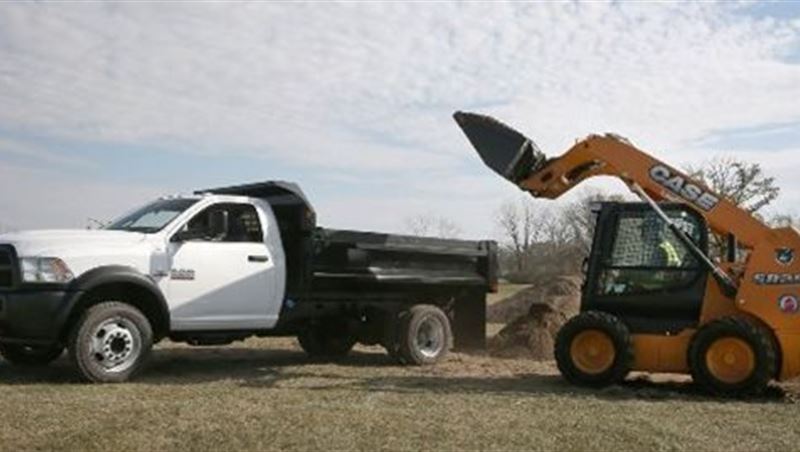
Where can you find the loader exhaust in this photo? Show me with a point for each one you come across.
(503, 149)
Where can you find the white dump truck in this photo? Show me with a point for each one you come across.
(225, 264)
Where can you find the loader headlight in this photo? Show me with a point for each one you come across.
(44, 270)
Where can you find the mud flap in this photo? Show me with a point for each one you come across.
(469, 322)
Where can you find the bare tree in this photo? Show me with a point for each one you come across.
(419, 225)
(538, 241)
(446, 228)
(783, 220)
(429, 225)
(579, 217)
(742, 182)
(518, 226)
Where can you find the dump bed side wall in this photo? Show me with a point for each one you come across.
(366, 267)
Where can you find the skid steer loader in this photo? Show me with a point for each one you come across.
(654, 300)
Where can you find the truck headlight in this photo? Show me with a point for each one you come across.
(44, 270)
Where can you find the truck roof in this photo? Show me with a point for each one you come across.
(276, 192)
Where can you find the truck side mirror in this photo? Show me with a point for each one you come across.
(218, 223)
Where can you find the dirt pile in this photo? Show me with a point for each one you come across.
(533, 318)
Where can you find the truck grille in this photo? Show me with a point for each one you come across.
(6, 267)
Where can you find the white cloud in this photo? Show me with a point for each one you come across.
(367, 89)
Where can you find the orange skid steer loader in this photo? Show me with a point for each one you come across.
(653, 299)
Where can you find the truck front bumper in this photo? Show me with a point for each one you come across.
(34, 316)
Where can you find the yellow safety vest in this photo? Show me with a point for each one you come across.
(673, 258)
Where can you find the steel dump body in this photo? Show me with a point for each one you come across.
(330, 271)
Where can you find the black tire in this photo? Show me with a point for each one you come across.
(329, 339)
(110, 343)
(30, 355)
(761, 345)
(425, 336)
(610, 328)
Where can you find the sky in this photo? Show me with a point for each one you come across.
(104, 106)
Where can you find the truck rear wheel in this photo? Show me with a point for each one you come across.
(732, 357)
(425, 336)
(328, 339)
(30, 355)
(594, 349)
(110, 343)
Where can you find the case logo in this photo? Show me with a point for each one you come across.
(686, 189)
(784, 256)
(788, 304)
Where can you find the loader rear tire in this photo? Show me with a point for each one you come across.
(732, 357)
(594, 349)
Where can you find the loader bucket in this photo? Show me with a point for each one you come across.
(503, 149)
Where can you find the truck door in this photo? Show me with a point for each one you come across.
(640, 271)
(231, 281)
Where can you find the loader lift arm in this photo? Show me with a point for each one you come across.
(519, 160)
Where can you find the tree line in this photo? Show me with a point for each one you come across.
(539, 240)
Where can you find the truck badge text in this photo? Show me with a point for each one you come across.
(181, 274)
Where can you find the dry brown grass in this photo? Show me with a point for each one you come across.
(265, 394)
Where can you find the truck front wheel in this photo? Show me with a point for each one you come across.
(30, 355)
(110, 343)
(425, 336)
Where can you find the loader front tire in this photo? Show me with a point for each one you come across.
(594, 349)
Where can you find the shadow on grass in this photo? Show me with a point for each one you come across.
(283, 369)
(195, 365)
(526, 385)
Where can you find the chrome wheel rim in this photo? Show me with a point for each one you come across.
(430, 337)
(115, 344)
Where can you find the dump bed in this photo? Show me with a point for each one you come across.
(331, 273)
(345, 260)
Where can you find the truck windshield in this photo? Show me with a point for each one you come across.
(152, 217)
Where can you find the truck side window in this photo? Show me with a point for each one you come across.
(646, 256)
(243, 223)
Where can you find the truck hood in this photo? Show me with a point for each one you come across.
(44, 242)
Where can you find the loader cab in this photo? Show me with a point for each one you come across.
(640, 271)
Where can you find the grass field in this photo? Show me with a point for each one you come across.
(265, 394)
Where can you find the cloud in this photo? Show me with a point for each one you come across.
(365, 91)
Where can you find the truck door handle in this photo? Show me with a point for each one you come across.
(257, 258)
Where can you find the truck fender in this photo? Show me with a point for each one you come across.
(119, 274)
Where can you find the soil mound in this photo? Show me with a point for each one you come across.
(533, 318)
